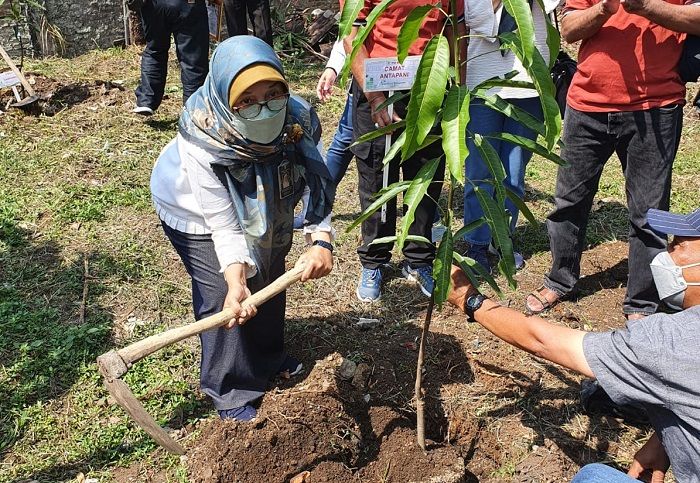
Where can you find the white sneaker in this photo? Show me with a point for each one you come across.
(143, 110)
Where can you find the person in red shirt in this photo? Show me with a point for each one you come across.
(626, 98)
(381, 43)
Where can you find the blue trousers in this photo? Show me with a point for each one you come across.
(237, 363)
(484, 120)
(599, 473)
(339, 156)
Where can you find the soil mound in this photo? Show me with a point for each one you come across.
(322, 430)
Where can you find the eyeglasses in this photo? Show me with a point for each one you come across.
(275, 104)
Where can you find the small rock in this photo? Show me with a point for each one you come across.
(535, 448)
(366, 324)
(361, 376)
(347, 369)
(366, 398)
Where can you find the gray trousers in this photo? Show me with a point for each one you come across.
(646, 143)
(237, 364)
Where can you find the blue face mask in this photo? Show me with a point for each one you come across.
(263, 128)
(669, 281)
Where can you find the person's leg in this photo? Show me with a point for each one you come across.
(236, 364)
(587, 147)
(339, 155)
(259, 12)
(192, 47)
(647, 151)
(514, 157)
(600, 473)
(420, 254)
(236, 19)
(369, 158)
(154, 59)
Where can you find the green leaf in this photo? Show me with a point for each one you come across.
(470, 266)
(414, 194)
(455, 117)
(497, 220)
(553, 36)
(351, 9)
(522, 13)
(361, 36)
(538, 71)
(410, 30)
(517, 201)
(467, 228)
(495, 165)
(392, 239)
(397, 96)
(395, 148)
(385, 195)
(530, 145)
(427, 94)
(512, 111)
(379, 132)
(442, 266)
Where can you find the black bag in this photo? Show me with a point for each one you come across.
(689, 65)
(563, 72)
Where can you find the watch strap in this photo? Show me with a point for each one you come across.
(324, 244)
(472, 304)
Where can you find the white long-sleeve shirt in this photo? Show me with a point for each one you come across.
(484, 59)
(190, 198)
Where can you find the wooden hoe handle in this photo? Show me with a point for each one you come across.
(17, 72)
(116, 363)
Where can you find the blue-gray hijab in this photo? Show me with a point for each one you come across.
(206, 122)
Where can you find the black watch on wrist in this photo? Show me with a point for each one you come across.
(324, 244)
(473, 303)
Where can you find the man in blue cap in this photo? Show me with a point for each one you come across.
(653, 363)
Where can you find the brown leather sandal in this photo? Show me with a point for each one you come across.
(540, 295)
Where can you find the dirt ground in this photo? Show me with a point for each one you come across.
(343, 425)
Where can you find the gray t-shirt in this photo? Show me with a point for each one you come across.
(655, 363)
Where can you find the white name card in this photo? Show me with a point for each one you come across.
(387, 74)
(8, 79)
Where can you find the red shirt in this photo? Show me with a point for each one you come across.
(382, 40)
(630, 64)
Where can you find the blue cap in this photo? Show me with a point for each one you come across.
(673, 224)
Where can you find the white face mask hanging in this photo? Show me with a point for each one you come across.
(669, 281)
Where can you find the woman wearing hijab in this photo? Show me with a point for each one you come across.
(225, 190)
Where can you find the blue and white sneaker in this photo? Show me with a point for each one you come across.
(423, 276)
(369, 289)
(243, 413)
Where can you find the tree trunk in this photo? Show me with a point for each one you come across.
(420, 402)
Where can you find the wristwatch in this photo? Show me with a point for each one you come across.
(473, 303)
(324, 244)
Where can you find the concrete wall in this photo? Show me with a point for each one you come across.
(83, 24)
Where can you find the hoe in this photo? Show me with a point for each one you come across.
(115, 363)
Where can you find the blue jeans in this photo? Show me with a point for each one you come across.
(485, 121)
(339, 156)
(599, 473)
